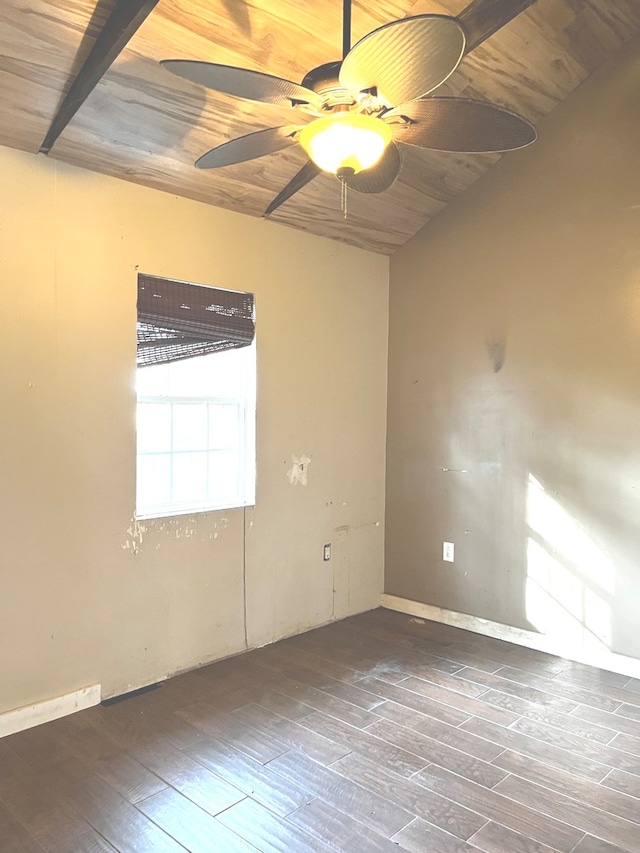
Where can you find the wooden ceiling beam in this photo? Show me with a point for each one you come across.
(124, 21)
(483, 18)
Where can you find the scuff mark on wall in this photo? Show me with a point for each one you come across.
(345, 528)
(496, 344)
(298, 471)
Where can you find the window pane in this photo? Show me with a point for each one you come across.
(153, 481)
(190, 378)
(154, 427)
(189, 426)
(196, 433)
(153, 381)
(189, 477)
(223, 427)
(223, 475)
(229, 379)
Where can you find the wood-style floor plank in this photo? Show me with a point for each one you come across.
(596, 845)
(290, 655)
(258, 744)
(190, 826)
(557, 757)
(381, 732)
(624, 782)
(15, 838)
(610, 801)
(361, 803)
(420, 836)
(615, 722)
(129, 777)
(494, 838)
(349, 692)
(432, 807)
(37, 805)
(294, 735)
(572, 693)
(267, 832)
(410, 699)
(89, 842)
(252, 778)
(541, 714)
(524, 691)
(189, 777)
(627, 743)
(356, 661)
(466, 704)
(606, 755)
(631, 711)
(615, 829)
(120, 823)
(386, 753)
(464, 763)
(591, 677)
(501, 808)
(338, 830)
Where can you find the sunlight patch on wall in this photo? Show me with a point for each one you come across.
(569, 577)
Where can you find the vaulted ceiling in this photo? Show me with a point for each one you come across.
(145, 125)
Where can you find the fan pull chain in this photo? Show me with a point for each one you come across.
(343, 198)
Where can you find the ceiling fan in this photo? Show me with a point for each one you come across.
(352, 117)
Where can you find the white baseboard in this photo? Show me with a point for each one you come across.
(540, 642)
(43, 712)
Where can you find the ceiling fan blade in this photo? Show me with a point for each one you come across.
(405, 59)
(459, 124)
(483, 18)
(308, 172)
(378, 178)
(242, 82)
(249, 147)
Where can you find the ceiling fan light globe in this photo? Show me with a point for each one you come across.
(345, 141)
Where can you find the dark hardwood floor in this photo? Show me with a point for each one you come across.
(377, 734)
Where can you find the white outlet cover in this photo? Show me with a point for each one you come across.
(447, 552)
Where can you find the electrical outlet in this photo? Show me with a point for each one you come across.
(447, 552)
(326, 555)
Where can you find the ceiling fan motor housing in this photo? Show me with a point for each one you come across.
(324, 81)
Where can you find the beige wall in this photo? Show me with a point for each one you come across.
(86, 594)
(537, 268)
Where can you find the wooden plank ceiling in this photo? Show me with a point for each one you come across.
(143, 124)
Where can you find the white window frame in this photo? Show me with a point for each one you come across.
(244, 402)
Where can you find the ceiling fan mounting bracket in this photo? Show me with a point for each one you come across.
(401, 120)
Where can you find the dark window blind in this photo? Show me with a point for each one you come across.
(177, 320)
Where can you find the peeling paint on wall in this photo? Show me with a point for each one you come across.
(135, 536)
(183, 527)
(298, 471)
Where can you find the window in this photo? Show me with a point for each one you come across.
(195, 413)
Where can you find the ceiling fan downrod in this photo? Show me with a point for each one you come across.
(346, 27)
